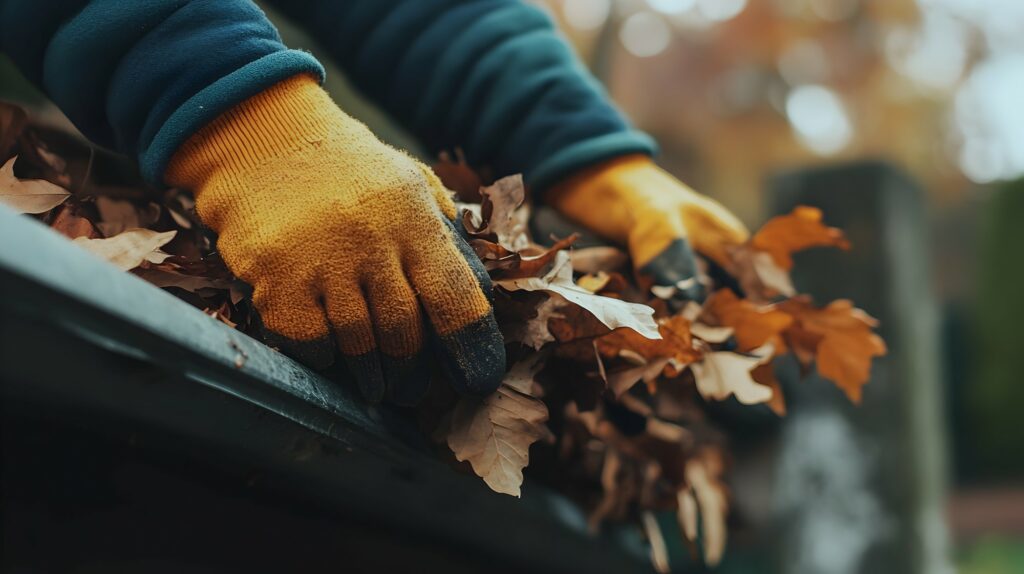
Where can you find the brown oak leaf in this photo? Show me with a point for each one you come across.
(839, 337)
(494, 434)
(783, 235)
(753, 325)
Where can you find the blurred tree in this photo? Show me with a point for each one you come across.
(996, 392)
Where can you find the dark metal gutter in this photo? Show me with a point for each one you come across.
(86, 339)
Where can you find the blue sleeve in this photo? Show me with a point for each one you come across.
(142, 77)
(490, 76)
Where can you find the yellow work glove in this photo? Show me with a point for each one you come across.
(348, 243)
(660, 220)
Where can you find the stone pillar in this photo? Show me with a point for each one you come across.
(861, 489)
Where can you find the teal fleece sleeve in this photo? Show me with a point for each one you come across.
(143, 76)
(490, 76)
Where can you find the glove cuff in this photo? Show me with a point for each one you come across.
(596, 174)
(290, 115)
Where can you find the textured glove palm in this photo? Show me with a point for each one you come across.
(347, 242)
(632, 201)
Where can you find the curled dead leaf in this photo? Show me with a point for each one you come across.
(674, 343)
(456, 175)
(494, 434)
(753, 325)
(594, 260)
(28, 195)
(612, 312)
(838, 337)
(723, 373)
(129, 249)
(71, 225)
(704, 478)
(759, 276)
(801, 229)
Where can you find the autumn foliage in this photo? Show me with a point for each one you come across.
(613, 379)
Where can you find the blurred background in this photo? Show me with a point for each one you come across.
(904, 121)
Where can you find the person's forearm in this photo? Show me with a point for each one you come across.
(142, 77)
(490, 76)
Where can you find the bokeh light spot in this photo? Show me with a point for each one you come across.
(645, 34)
(721, 10)
(671, 6)
(586, 14)
(819, 119)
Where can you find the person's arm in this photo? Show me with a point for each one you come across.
(348, 243)
(495, 78)
(141, 77)
(492, 77)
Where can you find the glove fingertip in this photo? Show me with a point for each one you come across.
(473, 358)
(316, 354)
(676, 267)
(369, 375)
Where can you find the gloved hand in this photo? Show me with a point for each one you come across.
(346, 241)
(660, 220)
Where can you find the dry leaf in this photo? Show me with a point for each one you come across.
(169, 278)
(129, 249)
(180, 219)
(753, 325)
(687, 513)
(499, 217)
(118, 215)
(457, 176)
(621, 381)
(723, 373)
(703, 475)
(28, 195)
(594, 283)
(611, 493)
(70, 225)
(522, 376)
(840, 338)
(760, 278)
(593, 260)
(495, 433)
(521, 267)
(612, 312)
(537, 333)
(783, 235)
(659, 550)
(765, 374)
(523, 317)
(675, 344)
(710, 333)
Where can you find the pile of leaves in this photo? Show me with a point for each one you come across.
(608, 377)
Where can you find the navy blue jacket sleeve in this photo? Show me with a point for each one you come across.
(490, 76)
(143, 76)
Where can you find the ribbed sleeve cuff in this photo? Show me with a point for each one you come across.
(217, 98)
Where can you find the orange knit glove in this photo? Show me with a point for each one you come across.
(347, 242)
(632, 201)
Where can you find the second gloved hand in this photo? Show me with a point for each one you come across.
(660, 220)
(347, 242)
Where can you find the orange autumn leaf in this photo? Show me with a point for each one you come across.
(675, 343)
(839, 336)
(753, 325)
(765, 375)
(786, 234)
